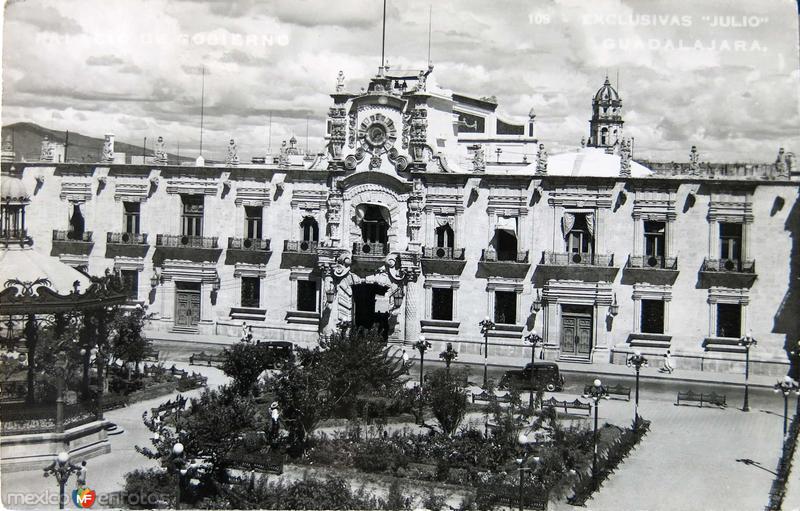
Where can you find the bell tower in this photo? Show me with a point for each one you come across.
(605, 127)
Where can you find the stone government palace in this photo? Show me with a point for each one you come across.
(427, 212)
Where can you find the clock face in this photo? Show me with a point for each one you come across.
(377, 132)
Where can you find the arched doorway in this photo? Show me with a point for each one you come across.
(366, 312)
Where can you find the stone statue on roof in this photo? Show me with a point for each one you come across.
(108, 149)
(625, 158)
(694, 161)
(161, 151)
(232, 157)
(541, 160)
(340, 81)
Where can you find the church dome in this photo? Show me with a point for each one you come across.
(606, 93)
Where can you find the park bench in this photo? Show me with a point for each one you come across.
(193, 381)
(150, 355)
(207, 359)
(567, 405)
(180, 373)
(698, 397)
(613, 390)
(271, 462)
(169, 408)
(486, 398)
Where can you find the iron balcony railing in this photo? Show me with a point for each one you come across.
(252, 244)
(491, 255)
(578, 259)
(8, 236)
(179, 241)
(729, 265)
(455, 254)
(85, 236)
(126, 238)
(370, 249)
(654, 262)
(302, 246)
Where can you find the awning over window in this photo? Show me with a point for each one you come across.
(508, 224)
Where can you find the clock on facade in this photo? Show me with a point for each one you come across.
(377, 133)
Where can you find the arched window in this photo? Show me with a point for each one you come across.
(445, 237)
(374, 225)
(604, 136)
(310, 229)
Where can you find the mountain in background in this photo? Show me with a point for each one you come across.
(27, 139)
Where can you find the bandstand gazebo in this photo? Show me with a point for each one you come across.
(37, 290)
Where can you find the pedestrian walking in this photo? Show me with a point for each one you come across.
(667, 366)
(247, 332)
(405, 360)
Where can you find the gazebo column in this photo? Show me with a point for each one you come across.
(31, 336)
(85, 342)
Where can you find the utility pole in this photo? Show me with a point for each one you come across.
(144, 149)
(66, 145)
(202, 106)
(383, 40)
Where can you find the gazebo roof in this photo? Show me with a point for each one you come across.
(35, 283)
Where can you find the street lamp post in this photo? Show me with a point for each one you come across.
(486, 326)
(448, 355)
(422, 346)
(536, 340)
(637, 361)
(795, 354)
(786, 386)
(523, 442)
(61, 469)
(748, 342)
(596, 393)
(177, 461)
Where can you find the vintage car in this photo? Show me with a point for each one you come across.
(546, 376)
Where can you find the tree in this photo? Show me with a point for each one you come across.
(447, 399)
(244, 362)
(359, 361)
(128, 342)
(210, 429)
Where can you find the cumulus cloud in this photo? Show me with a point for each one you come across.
(679, 82)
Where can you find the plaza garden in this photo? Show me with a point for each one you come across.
(347, 429)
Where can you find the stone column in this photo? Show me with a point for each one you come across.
(413, 290)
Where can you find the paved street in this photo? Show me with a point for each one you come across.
(687, 461)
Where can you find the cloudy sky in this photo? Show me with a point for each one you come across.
(719, 74)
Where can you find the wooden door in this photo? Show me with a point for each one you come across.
(187, 308)
(584, 336)
(569, 329)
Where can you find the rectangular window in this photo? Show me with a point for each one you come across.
(652, 316)
(442, 303)
(654, 238)
(130, 278)
(579, 239)
(132, 213)
(192, 215)
(730, 241)
(253, 217)
(251, 292)
(307, 295)
(729, 320)
(505, 307)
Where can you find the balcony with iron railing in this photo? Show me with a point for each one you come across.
(370, 249)
(446, 253)
(736, 273)
(126, 238)
(652, 262)
(72, 236)
(249, 244)
(301, 246)
(652, 269)
(185, 241)
(72, 243)
(586, 266)
(14, 237)
(505, 263)
(728, 265)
